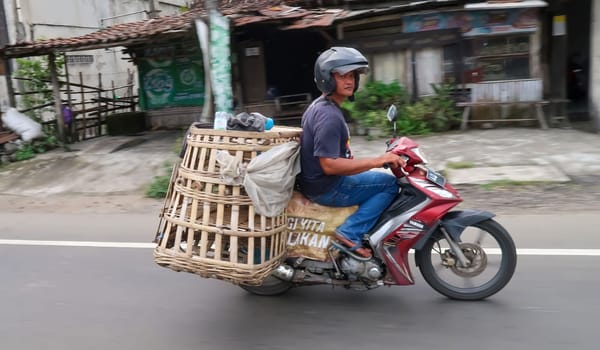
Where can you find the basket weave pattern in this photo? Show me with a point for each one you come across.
(210, 228)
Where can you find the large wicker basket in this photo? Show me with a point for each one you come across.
(210, 228)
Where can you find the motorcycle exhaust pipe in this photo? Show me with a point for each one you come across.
(284, 272)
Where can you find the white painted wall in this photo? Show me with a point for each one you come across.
(30, 20)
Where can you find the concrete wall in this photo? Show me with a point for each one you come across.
(29, 20)
(594, 97)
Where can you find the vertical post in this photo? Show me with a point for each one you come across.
(113, 98)
(99, 123)
(202, 32)
(10, 90)
(559, 52)
(413, 65)
(73, 137)
(594, 94)
(130, 90)
(60, 121)
(82, 94)
(6, 61)
(154, 11)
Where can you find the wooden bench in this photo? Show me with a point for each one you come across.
(291, 104)
(537, 106)
(7, 136)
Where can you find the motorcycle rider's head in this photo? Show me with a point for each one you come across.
(336, 65)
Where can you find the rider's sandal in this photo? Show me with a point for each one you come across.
(354, 247)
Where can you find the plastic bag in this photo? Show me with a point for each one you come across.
(27, 128)
(249, 122)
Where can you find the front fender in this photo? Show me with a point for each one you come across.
(455, 223)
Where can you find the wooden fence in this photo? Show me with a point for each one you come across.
(89, 106)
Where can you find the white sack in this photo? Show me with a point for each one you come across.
(268, 179)
(22, 125)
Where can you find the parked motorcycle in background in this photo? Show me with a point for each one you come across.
(462, 254)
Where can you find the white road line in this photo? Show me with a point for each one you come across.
(560, 252)
(77, 243)
(490, 251)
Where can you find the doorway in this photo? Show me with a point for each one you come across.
(578, 59)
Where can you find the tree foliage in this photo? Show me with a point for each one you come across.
(432, 113)
(35, 82)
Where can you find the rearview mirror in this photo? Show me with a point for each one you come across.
(392, 113)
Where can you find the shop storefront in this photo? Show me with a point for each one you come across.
(498, 58)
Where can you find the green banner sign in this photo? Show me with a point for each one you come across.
(220, 62)
(170, 82)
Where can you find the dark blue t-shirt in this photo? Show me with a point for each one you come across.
(324, 134)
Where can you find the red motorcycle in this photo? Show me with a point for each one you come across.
(462, 254)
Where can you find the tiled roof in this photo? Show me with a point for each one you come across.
(288, 13)
(138, 32)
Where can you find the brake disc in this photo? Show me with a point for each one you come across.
(477, 261)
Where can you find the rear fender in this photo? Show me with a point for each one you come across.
(455, 223)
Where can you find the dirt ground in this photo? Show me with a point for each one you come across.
(583, 194)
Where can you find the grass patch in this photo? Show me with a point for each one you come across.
(25, 153)
(159, 186)
(460, 165)
(512, 183)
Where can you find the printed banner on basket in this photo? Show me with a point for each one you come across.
(311, 227)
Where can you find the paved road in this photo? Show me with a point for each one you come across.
(59, 297)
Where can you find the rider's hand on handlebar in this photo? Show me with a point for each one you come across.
(392, 160)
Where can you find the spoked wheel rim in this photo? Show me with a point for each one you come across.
(490, 253)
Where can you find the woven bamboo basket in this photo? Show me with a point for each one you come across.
(210, 228)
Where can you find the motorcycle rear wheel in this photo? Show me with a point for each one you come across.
(436, 261)
(271, 286)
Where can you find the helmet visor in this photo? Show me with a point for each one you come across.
(361, 68)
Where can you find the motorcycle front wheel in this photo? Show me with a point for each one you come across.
(492, 258)
(271, 286)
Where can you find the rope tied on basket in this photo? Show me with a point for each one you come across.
(268, 179)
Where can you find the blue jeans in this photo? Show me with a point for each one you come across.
(372, 191)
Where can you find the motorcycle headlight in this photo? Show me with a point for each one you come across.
(420, 154)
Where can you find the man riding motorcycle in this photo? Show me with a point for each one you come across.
(330, 175)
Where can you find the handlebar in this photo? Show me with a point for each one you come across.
(404, 157)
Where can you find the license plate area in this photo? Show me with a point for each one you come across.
(436, 177)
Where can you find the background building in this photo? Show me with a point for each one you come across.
(32, 20)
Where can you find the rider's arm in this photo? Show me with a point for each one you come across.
(343, 166)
